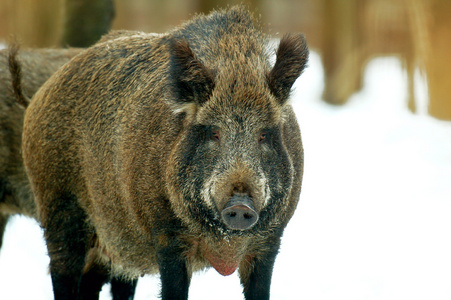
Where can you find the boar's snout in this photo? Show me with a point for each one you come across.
(239, 213)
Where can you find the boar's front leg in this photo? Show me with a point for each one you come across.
(174, 275)
(256, 272)
(68, 237)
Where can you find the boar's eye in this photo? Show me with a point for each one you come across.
(262, 136)
(215, 133)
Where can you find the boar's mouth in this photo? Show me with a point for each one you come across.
(239, 213)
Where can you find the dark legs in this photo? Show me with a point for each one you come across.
(122, 289)
(69, 238)
(256, 276)
(92, 282)
(3, 222)
(3, 218)
(67, 235)
(174, 274)
(258, 285)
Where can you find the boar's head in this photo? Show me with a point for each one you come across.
(230, 171)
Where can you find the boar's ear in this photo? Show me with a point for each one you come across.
(192, 81)
(291, 60)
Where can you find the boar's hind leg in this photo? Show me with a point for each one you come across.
(92, 282)
(3, 217)
(67, 235)
(122, 289)
(3, 221)
(174, 275)
(256, 276)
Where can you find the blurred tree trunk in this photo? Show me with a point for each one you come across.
(438, 64)
(33, 23)
(342, 66)
(86, 21)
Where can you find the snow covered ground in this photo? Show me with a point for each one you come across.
(373, 222)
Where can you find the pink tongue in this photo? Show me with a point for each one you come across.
(224, 268)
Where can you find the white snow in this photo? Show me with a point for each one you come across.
(374, 218)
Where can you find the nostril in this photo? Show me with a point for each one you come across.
(232, 214)
(247, 216)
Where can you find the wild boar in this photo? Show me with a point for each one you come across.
(36, 66)
(169, 153)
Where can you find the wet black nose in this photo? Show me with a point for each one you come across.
(239, 213)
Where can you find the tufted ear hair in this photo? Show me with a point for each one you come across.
(192, 81)
(292, 57)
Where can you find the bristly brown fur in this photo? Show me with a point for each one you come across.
(16, 75)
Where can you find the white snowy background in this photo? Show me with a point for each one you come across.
(374, 218)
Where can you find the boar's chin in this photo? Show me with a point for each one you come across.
(225, 257)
